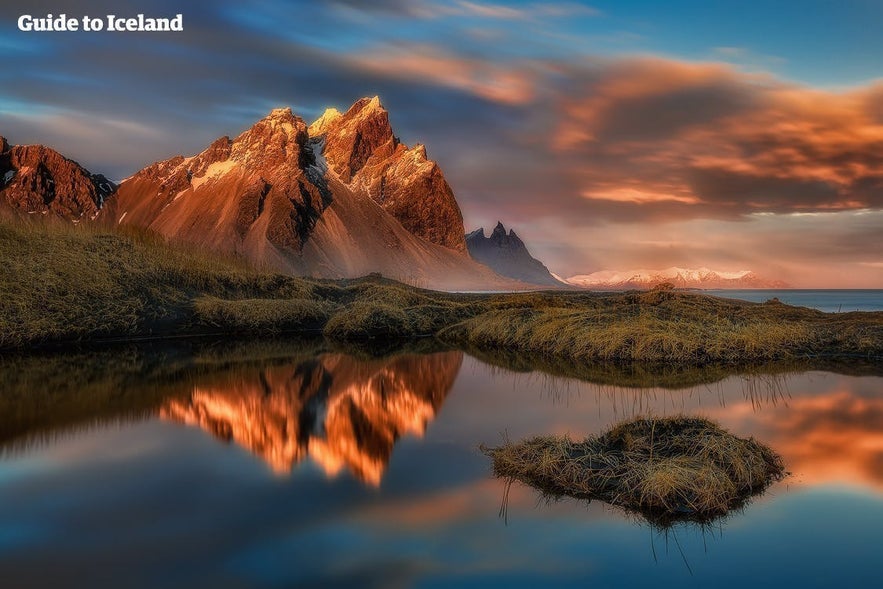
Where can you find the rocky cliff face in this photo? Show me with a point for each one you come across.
(339, 198)
(361, 149)
(257, 194)
(340, 412)
(37, 179)
(506, 254)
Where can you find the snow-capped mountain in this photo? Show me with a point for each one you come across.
(679, 277)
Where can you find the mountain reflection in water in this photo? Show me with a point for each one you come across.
(289, 402)
(339, 411)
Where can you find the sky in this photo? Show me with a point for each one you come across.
(610, 135)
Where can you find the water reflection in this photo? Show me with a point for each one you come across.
(825, 425)
(340, 411)
(99, 477)
(287, 402)
(831, 437)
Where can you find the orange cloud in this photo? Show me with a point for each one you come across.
(494, 81)
(708, 134)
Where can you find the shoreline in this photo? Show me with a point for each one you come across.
(64, 286)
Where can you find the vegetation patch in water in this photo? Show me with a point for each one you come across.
(665, 469)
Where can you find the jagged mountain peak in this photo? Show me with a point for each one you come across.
(283, 113)
(320, 126)
(366, 105)
(339, 198)
(499, 231)
(507, 255)
(503, 238)
(363, 153)
(347, 200)
(279, 138)
(353, 138)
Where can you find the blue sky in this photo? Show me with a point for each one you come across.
(611, 135)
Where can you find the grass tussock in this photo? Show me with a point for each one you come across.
(370, 319)
(664, 469)
(262, 316)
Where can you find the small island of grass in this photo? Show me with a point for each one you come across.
(664, 469)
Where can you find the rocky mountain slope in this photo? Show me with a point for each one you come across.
(679, 277)
(339, 198)
(37, 179)
(507, 255)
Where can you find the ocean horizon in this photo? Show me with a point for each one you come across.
(829, 300)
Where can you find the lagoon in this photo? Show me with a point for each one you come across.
(297, 465)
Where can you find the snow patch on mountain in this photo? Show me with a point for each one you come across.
(681, 277)
(214, 171)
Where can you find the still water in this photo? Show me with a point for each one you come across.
(281, 466)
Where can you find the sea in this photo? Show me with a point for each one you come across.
(827, 300)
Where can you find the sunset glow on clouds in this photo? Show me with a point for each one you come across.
(611, 135)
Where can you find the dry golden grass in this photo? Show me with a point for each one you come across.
(262, 316)
(684, 328)
(665, 469)
(369, 319)
(63, 283)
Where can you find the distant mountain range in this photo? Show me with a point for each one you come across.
(339, 198)
(679, 277)
(507, 255)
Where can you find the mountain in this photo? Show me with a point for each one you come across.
(340, 198)
(507, 255)
(362, 152)
(680, 277)
(338, 411)
(37, 179)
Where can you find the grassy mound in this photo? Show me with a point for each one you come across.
(366, 320)
(665, 469)
(264, 316)
(63, 283)
(66, 283)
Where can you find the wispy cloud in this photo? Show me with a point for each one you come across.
(525, 12)
(495, 81)
(426, 9)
